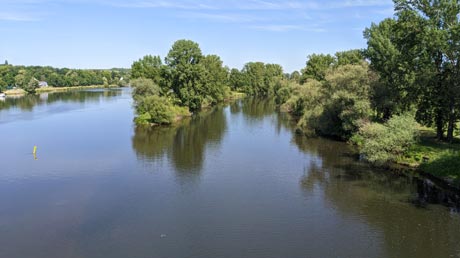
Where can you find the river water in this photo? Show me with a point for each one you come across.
(235, 181)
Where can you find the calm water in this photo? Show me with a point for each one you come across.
(233, 182)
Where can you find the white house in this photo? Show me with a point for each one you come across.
(42, 84)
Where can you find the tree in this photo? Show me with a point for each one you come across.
(148, 67)
(144, 87)
(186, 73)
(295, 76)
(31, 86)
(392, 94)
(22, 78)
(216, 78)
(317, 66)
(417, 57)
(354, 56)
(106, 82)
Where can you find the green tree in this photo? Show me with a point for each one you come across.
(416, 56)
(215, 79)
(144, 87)
(295, 76)
(317, 66)
(31, 86)
(354, 56)
(186, 73)
(22, 79)
(148, 67)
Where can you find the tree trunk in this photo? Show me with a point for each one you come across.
(452, 120)
(439, 126)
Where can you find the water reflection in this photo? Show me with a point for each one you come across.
(383, 200)
(255, 109)
(184, 144)
(28, 102)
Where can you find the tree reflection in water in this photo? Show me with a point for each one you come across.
(184, 144)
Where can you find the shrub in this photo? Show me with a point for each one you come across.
(144, 87)
(156, 110)
(381, 143)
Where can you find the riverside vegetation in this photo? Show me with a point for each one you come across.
(190, 81)
(397, 100)
(26, 78)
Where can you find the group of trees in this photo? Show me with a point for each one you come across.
(337, 97)
(333, 97)
(187, 78)
(257, 78)
(27, 77)
(417, 57)
(408, 74)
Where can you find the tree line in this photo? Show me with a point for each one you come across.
(377, 97)
(27, 77)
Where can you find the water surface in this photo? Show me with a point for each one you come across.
(233, 182)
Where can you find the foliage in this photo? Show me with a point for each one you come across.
(381, 143)
(147, 67)
(31, 86)
(215, 79)
(153, 109)
(144, 87)
(333, 107)
(317, 66)
(257, 78)
(187, 80)
(19, 76)
(416, 56)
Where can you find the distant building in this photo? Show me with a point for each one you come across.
(42, 84)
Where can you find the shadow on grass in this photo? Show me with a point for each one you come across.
(446, 165)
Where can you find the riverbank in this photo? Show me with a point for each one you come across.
(435, 158)
(19, 92)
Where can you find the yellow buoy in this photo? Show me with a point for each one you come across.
(35, 152)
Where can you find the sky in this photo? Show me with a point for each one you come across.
(114, 33)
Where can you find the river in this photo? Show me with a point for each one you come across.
(235, 181)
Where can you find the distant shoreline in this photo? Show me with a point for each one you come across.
(19, 92)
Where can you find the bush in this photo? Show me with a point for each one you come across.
(144, 87)
(381, 143)
(157, 110)
(337, 106)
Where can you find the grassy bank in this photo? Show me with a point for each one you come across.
(15, 92)
(56, 89)
(434, 157)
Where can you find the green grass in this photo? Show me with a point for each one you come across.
(438, 158)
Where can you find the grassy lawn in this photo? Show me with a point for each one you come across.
(438, 158)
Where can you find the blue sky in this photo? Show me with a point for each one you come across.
(114, 33)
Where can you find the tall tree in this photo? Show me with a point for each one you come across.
(317, 66)
(147, 67)
(216, 78)
(391, 95)
(186, 73)
(436, 50)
